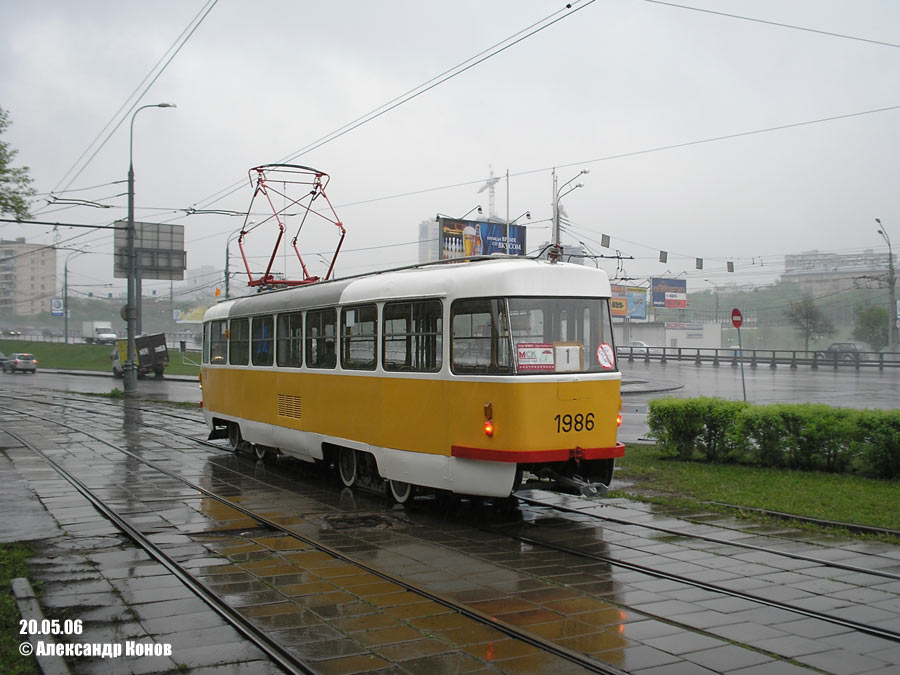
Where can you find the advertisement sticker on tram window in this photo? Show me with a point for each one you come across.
(535, 356)
(605, 356)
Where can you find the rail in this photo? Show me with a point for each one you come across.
(755, 358)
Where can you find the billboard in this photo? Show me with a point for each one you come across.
(668, 292)
(158, 248)
(628, 302)
(465, 238)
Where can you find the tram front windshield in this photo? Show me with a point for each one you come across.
(531, 336)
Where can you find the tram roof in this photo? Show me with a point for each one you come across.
(477, 278)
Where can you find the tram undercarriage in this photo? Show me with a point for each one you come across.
(360, 469)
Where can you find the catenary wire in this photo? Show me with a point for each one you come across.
(192, 26)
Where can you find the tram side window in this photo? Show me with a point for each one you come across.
(480, 337)
(217, 343)
(290, 340)
(239, 342)
(262, 339)
(413, 336)
(320, 338)
(359, 327)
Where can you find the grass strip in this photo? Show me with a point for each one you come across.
(839, 497)
(13, 558)
(88, 357)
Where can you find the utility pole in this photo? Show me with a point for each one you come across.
(555, 236)
(892, 281)
(130, 365)
(556, 252)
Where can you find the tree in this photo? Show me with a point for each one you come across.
(809, 320)
(871, 326)
(15, 183)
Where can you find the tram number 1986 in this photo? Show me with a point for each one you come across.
(578, 422)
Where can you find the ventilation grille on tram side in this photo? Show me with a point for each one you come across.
(289, 406)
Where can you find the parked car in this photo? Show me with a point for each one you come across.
(2, 358)
(20, 361)
(636, 347)
(841, 351)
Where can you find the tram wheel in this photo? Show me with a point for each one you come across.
(263, 453)
(235, 440)
(400, 492)
(348, 467)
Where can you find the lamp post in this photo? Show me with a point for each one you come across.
(557, 195)
(892, 280)
(66, 294)
(717, 297)
(527, 214)
(130, 374)
(474, 208)
(231, 237)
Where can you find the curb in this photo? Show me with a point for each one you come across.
(30, 610)
(100, 373)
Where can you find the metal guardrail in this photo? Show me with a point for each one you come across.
(762, 357)
(173, 341)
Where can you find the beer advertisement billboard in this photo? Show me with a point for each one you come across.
(468, 238)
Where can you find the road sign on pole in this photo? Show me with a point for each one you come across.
(737, 319)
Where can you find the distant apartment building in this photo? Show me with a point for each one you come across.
(27, 277)
(832, 272)
(429, 241)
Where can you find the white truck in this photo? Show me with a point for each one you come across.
(98, 332)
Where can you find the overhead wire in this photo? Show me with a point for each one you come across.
(435, 81)
(773, 23)
(172, 51)
(423, 88)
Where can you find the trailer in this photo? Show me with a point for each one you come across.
(152, 355)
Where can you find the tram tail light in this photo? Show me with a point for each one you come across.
(488, 419)
(618, 420)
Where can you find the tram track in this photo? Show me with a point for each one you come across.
(278, 653)
(874, 631)
(716, 540)
(610, 560)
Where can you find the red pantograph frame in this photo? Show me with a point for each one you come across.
(312, 184)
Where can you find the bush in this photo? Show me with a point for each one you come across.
(676, 425)
(685, 425)
(811, 437)
(759, 431)
(878, 434)
(718, 416)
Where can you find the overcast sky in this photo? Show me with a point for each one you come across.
(600, 89)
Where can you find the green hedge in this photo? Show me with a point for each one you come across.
(808, 436)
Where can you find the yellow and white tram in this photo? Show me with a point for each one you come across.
(454, 377)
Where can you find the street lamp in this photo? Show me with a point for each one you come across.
(474, 208)
(557, 195)
(527, 214)
(892, 313)
(231, 237)
(66, 293)
(130, 373)
(717, 297)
